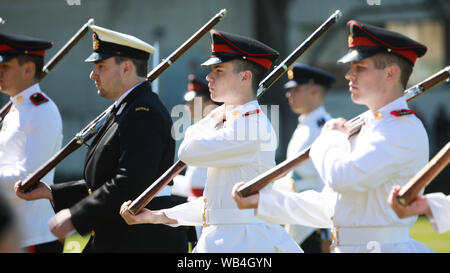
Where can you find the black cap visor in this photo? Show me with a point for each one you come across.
(356, 54)
(96, 56)
(5, 58)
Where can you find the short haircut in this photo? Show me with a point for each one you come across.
(382, 60)
(141, 65)
(258, 72)
(37, 60)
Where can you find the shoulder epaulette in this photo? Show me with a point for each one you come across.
(402, 112)
(38, 99)
(251, 113)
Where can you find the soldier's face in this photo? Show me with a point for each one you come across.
(107, 78)
(223, 83)
(11, 76)
(299, 98)
(366, 83)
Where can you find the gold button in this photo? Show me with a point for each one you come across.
(377, 116)
(92, 233)
(89, 191)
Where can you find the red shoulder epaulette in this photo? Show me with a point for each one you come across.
(251, 113)
(402, 112)
(38, 99)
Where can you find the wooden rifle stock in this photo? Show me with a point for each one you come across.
(34, 179)
(145, 198)
(92, 128)
(81, 138)
(355, 124)
(55, 60)
(412, 189)
(156, 187)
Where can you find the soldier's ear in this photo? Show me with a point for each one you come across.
(127, 67)
(29, 69)
(247, 75)
(392, 72)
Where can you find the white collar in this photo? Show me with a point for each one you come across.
(312, 116)
(385, 111)
(242, 109)
(122, 97)
(25, 94)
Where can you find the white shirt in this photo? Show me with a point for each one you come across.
(30, 135)
(241, 150)
(359, 174)
(440, 208)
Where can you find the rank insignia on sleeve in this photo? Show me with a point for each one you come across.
(38, 99)
(402, 112)
(251, 113)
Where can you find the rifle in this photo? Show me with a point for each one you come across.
(55, 60)
(94, 126)
(424, 177)
(254, 185)
(146, 196)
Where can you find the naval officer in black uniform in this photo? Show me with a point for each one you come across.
(132, 149)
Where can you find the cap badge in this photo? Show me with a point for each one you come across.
(350, 39)
(95, 42)
(290, 74)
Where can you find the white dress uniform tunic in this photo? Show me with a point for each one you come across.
(241, 150)
(359, 174)
(440, 207)
(31, 134)
(305, 176)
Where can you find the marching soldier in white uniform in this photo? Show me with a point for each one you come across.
(360, 172)
(31, 133)
(235, 142)
(307, 87)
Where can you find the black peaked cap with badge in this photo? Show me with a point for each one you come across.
(365, 40)
(302, 73)
(228, 46)
(12, 45)
(196, 87)
(108, 43)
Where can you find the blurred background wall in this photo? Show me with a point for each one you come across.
(282, 24)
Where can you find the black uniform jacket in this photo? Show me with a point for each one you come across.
(129, 152)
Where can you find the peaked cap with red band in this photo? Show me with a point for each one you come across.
(365, 40)
(227, 47)
(12, 45)
(195, 87)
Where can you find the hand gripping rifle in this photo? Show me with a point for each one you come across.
(146, 196)
(254, 185)
(55, 60)
(424, 177)
(92, 128)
